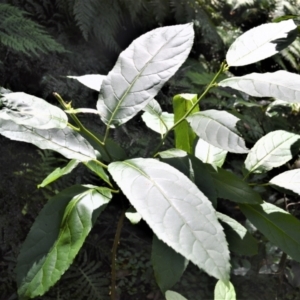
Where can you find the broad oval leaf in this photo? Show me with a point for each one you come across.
(141, 70)
(168, 265)
(178, 213)
(170, 295)
(281, 84)
(56, 237)
(238, 237)
(271, 151)
(261, 42)
(219, 129)
(278, 226)
(59, 172)
(25, 109)
(210, 154)
(289, 180)
(224, 291)
(65, 141)
(92, 81)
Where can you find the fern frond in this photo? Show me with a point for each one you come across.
(21, 34)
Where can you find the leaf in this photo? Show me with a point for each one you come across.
(224, 291)
(231, 187)
(141, 70)
(168, 265)
(219, 129)
(278, 226)
(56, 237)
(178, 213)
(95, 167)
(289, 180)
(281, 84)
(184, 136)
(210, 154)
(239, 239)
(65, 141)
(133, 216)
(25, 109)
(194, 169)
(59, 172)
(271, 151)
(156, 119)
(261, 42)
(170, 295)
(92, 81)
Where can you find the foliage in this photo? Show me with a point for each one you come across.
(167, 187)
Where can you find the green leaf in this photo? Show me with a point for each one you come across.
(168, 265)
(141, 70)
(194, 169)
(92, 81)
(239, 239)
(59, 172)
(210, 154)
(231, 187)
(56, 237)
(281, 84)
(95, 167)
(219, 129)
(289, 180)
(184, 136)
(278, 226)
(25, 109)
(65, 141)
(170, 295)
(271, 151)
(156, 119)
(178, 213)
(224, 291)
(261, 42)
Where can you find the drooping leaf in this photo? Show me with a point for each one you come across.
(280, 84)
(59, 172)
(168, 265)
(219, 129)
(278, 226)
(95, 167)
(224, 291)
(289, 180)
(25, 109)
(194, 169)
(230, 186)
(271, 151)
(141, 70)
(184, 135)
(56, 237)
(178, 213)
(156, 119)
(92, 81)
(210, 154)
(170, 295)
(261, 42)
(239, 239)
(65, 141)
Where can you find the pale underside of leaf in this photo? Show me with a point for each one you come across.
(281, 85)
(65, 141)
(224, 291)
(141, 70)
(25, 109)
(92, 81)
(260, 42)
(178, 213)
(271, 151)
(219, 129)
(289, 180)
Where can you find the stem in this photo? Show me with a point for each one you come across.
(113, 256)
(106, 134)
(212, 84)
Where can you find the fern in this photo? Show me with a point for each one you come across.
(21, 34)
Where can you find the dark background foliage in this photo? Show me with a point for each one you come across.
(43, 41)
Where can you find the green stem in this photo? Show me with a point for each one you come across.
(212, 84)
